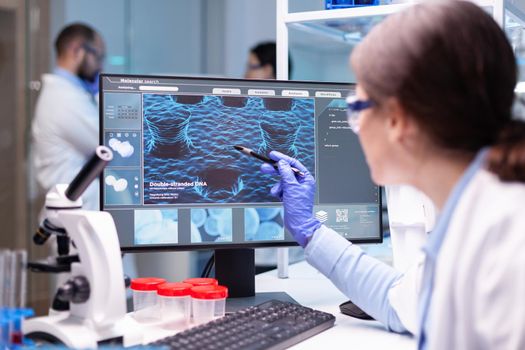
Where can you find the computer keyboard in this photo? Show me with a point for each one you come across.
(270, 325)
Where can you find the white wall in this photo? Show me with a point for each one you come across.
(246, 24)
(105, 16)
(165, 37)
(142, 36)
(305, 5)
(206, 37)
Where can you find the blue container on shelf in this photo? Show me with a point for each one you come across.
(339, 4)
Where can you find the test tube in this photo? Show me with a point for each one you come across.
(19, 271)
(12, 297)
(5, 263)
(13, 278)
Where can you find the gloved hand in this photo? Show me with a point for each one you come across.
(297, 193)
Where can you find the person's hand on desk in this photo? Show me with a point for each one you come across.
(297, 193)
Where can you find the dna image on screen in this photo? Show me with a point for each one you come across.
(188, 145)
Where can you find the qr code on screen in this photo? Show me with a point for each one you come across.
(341, 215)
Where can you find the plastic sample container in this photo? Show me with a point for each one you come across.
(145, 307)
(208, 303)
(201, 281)
(175, 305)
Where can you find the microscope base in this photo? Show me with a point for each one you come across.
(77, 333)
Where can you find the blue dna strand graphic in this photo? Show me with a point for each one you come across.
(280, 137)
(234, 101)
(190, 138)
(279, 126)
(166, 124)
(219, 185)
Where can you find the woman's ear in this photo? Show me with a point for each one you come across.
(400, 125)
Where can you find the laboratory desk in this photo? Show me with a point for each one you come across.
(310, 288)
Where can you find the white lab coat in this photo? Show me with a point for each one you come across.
(64, 135)
(480, 273)
(479, 286)
(411, 216)
(404, 295)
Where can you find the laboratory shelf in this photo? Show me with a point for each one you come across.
(339, 30)
(350, 25)
(348, 13)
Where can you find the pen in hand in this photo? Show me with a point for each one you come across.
(265, 159)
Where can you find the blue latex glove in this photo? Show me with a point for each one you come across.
(297, 194)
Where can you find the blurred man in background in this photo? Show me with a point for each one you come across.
(65, 128)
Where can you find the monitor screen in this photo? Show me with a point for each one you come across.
(176, 182)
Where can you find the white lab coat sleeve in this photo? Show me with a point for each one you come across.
(404, 295)
(363, 279)
(411, 215)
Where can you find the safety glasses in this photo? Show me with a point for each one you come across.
(253, 66)
(354, 108)
(100, 57)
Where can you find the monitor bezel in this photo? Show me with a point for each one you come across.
(199, 246)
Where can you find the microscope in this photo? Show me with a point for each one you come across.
(89, 309)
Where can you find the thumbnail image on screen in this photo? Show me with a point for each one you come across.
(211, 225)
(264, 224)
(156, 226)
(188, 145)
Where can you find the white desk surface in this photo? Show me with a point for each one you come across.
(310, 288)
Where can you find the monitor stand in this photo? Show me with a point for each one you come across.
(235, 269)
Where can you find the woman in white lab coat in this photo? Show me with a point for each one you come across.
(433, 110)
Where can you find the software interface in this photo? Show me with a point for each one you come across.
(176, 180)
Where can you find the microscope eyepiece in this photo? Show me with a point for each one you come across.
(89, 172)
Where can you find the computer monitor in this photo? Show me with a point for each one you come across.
(177, 183)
